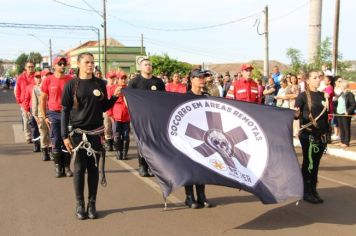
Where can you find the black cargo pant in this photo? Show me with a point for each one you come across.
(313, 149)
(84, 162)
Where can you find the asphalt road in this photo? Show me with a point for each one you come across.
(33, 202)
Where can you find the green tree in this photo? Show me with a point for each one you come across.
(297, 64)
(35, 57)
(257, 72)
(2, 70)
(166, 65)
(324, 56)
(20, 63)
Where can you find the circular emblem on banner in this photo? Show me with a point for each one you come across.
(153, 87)
(221, 137)
(96, 92)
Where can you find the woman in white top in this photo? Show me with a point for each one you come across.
(283, 95)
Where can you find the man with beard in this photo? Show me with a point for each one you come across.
(52, 88)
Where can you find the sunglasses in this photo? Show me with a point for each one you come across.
(62, 64)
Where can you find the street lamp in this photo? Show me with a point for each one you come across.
(47, 45)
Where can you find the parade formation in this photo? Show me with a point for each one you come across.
(80, 117)
(189, 139)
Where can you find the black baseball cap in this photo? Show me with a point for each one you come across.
(199, 73)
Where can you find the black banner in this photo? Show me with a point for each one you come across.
(189, 139)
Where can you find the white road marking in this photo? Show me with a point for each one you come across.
(171, 198)
(18, 133)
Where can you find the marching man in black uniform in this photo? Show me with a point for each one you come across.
(83, 103)
(148, 82)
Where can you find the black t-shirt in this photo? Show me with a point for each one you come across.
(147, 84)
(92, 102)
(317, 105)
(203, 93)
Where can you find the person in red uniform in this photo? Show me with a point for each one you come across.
(52, 88)
(244, 89)
(26, 105)
(24, 79)
(176, 86)
(120, 114)
(111, 78)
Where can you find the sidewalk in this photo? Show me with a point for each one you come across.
(337, 151)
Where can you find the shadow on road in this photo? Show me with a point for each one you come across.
(339, 208)
(170, 207)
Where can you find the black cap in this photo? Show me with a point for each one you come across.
(199, 73)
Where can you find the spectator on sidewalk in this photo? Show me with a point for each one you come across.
(269, 92)
(346, 106)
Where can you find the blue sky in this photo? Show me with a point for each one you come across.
(237, 42)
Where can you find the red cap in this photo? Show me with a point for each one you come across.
(111, 74)
(45, 72)
(71, 71)
(121, 74)
(58, 59)
(38, 73)
(246, 66)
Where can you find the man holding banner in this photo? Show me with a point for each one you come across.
(209, 140)
(145, 81)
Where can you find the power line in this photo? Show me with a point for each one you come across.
(290, 12)
(188, 29)
(71, 6)
(91, 7)
(157, 28)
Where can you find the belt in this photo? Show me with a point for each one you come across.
(56, 111)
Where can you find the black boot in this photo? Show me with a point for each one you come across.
(57, 165)
(36, 146)
(80, 210)
(126, 146)
(308, 195)
(202, 201)
(190, 200)
(315, 193)
(66, 161)
(109, 145)
(50, 153)
(119, 148)
(45, 156)
(92, 210)
(142, 167)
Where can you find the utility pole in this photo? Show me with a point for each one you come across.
(336, 37)
(266, 60)
(105, 48)
(315, 12)
(141, 44)
(50, 53)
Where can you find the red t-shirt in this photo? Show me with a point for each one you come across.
(176, 88)
(53, 87)
(119, 111)
(26, 104)
(22, 82)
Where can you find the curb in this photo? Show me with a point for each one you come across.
(337, 152)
